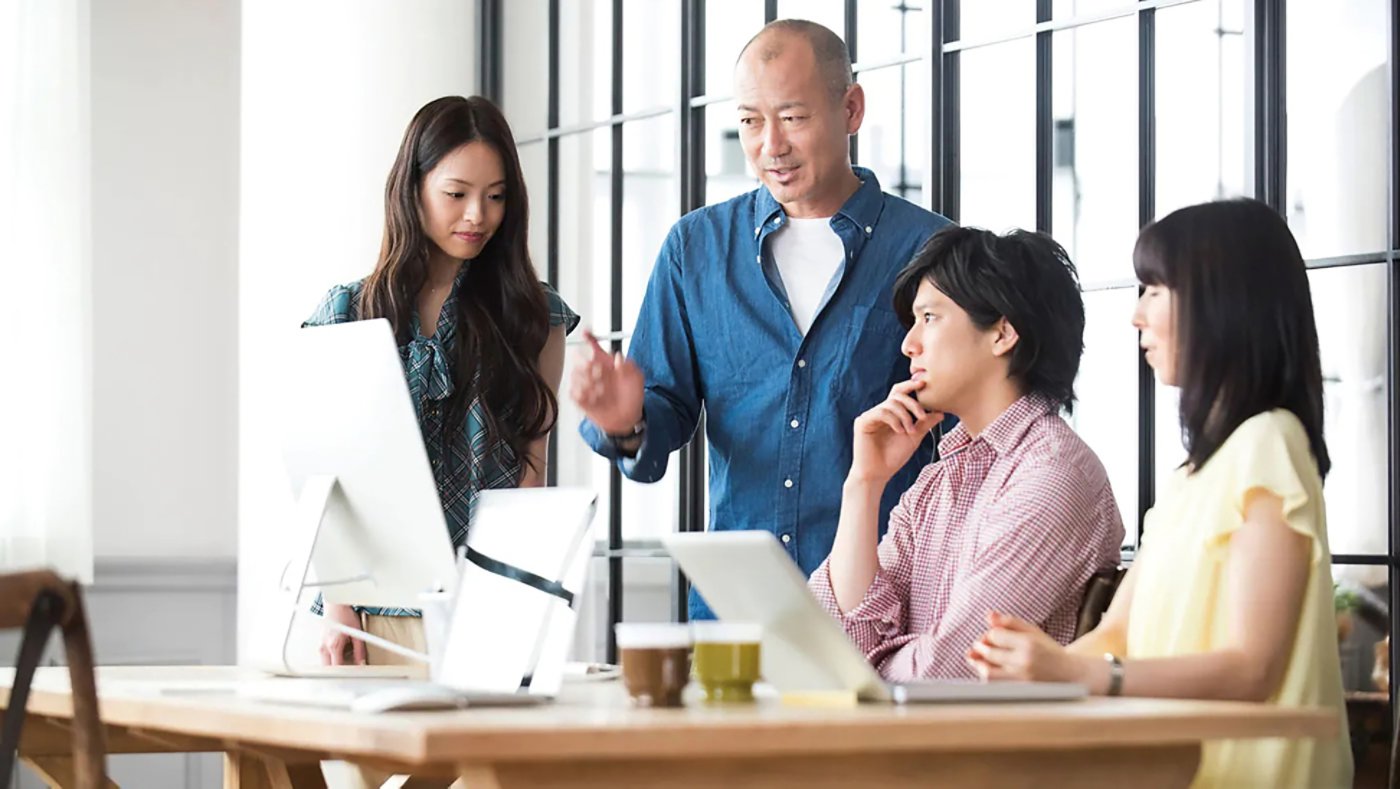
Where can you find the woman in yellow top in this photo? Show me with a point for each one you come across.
(1231, 593)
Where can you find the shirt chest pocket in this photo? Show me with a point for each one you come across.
(871, 355)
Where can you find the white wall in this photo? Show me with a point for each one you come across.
(164, 94)
(164, 287)
(328, 88)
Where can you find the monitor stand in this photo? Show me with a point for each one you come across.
(321, 494)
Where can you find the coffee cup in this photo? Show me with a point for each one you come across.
(655, 660)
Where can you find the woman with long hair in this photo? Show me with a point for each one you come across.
(1230, 596)
(481, 338)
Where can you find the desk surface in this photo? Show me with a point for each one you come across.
(593, 721)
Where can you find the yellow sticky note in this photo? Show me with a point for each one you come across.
(820, 698)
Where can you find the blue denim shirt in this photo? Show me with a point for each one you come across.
(715, 330)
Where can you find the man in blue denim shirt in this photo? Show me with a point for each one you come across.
(772, 311)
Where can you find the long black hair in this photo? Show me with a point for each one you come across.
(1246, 337)
(500, 304)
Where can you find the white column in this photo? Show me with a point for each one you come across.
(328, 88)
(164, 281)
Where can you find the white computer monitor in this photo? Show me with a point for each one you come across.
(369, 528)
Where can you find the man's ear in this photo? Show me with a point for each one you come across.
(854, 102)
(1004, 337)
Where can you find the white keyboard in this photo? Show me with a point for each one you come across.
(375, 695)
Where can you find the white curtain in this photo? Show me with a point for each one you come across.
(45, 275)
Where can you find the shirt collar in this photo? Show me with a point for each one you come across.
(1005, 432)
(447, 317)
(863, 208)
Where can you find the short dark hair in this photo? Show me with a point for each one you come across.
(832, 56)
(1246, 337)
(1022, 276)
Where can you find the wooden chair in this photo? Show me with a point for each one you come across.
(40, 602)
(1098, 593)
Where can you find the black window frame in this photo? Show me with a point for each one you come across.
(941, 190)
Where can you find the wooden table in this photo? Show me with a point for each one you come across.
(591, 738)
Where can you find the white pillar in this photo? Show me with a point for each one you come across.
(164, 277)
(328, 88)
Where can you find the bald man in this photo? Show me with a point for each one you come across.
(771, 311)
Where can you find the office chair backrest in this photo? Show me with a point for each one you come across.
(1098, 593)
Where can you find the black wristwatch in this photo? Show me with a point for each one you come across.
(632, 439)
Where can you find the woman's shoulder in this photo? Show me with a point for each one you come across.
(1269, 450)
(1268, 429)
(341, 304)
(560, 313)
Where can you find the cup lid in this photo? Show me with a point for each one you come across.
(652, 635)
(738, 632)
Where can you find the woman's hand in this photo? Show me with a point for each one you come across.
(334, 642)
(1013, 648)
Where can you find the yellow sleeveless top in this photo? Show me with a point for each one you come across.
(1181, 604)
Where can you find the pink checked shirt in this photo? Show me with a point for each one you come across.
(1015, 520)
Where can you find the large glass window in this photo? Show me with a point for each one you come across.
(650, 205)
(997, 136)
(891, 138)
(1349, 303)
(1134, 90)
(1338, 130)
(889, 28)
(585, 60)
(1202, 112)
(649, 81)
(985, 21)
(528, 75)
(585, 216)
(1094, 109)
(1106, 414)
(830, 13)
(729, 24)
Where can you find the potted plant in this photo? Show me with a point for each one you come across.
(1346, 602)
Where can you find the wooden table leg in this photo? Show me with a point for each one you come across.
(57, 772)
(244, 770)
(1159, 767)
(418, 782)
(305, 776)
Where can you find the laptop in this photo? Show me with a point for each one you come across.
(746, 576)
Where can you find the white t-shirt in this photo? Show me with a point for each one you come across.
(808, 253)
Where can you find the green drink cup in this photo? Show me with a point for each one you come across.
(727, 659)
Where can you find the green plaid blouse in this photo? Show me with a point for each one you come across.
(463, 462)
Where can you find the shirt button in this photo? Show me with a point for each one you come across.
(759, 258)
(868, 230)
(756, 231)
(794, 423)
(787, 483)
(801, 362)
(787, 538)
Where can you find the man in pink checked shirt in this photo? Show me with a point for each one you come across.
(1018, 514)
